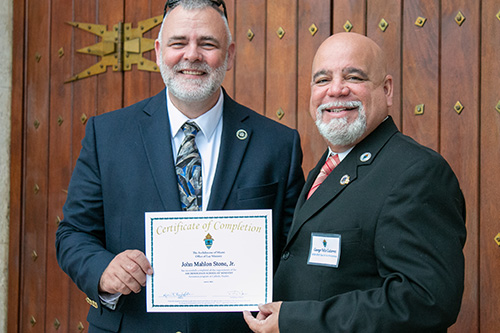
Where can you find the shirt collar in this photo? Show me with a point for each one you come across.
(342, 155)
(207, 121)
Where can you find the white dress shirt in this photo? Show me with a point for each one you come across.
(207, 140)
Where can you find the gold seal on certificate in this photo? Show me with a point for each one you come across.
(213, 261)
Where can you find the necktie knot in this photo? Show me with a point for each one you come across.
(190, 128)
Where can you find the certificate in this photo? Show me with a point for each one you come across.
(213, 261)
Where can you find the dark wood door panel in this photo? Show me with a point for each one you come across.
(459, 131)
(435, 64)
(250, 61)
(420, 79)
(489, 177)
(281, 61)
(349, 13)
(319, 13)
(384, 27)
(59, 162)
(35, 191)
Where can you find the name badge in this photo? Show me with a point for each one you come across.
(325, 250)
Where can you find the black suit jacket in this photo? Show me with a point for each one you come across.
(401, 219)
(126, 168)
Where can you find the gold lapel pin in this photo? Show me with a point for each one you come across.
(345, 180)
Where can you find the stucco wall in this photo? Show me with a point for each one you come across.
(5, 99)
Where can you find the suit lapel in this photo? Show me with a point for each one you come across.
(231, 152)
(328, 191)
(333, 185)
(156, 137)
(311, 177)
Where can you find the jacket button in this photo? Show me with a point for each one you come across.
(285, 255)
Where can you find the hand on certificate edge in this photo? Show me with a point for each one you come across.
(266, 320)
(126, 273)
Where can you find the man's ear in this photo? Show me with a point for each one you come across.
(158, 52)
(231, 50)
(388, 89)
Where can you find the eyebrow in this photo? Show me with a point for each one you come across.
(354, 70)
(348, 70)
(201, 39)
(320, 73)
(209, 39)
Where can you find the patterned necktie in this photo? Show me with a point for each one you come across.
(188, 169)
(330, 164)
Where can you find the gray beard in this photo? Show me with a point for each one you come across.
(193, 90)
(337, 131)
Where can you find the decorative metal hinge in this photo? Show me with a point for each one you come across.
(120, 47)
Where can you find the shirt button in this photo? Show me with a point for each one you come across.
(285, 255)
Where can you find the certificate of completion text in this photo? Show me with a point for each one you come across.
(213, 261)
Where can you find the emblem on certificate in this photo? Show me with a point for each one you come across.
(201, 262)
(208, 241)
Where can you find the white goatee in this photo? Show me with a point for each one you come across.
(338, 131)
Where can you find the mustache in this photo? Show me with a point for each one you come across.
(347, 104)
(201, 66)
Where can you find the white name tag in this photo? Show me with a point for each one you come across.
(325, 250)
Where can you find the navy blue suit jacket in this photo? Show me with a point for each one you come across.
(401, 218)
(126, 168)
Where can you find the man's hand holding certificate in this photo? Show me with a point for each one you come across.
(214, 261)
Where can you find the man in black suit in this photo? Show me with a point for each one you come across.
(376, 245)
(127, 166)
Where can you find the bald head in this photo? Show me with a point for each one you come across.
(351, 91)
(346, 44)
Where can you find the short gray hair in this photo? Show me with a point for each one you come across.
(198, 4)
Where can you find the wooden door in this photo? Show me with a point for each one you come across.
(49, 118)
(443, 55)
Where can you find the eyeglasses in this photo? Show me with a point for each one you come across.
(173, 3)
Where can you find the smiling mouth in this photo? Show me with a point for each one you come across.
(336, 107)
(192, 72)
(338, 110)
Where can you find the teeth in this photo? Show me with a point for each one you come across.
(192, 72)
(337, 107)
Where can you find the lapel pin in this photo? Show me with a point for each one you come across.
(365, 157)
(241, 134)
(345, 180)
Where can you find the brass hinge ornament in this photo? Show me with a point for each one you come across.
(120, 47)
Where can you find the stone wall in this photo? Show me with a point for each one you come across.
(5, 111)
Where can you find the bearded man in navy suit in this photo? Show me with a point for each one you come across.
(127, 167)
(376, 245)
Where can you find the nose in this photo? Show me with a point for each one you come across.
(337, 88)
(192, 53)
